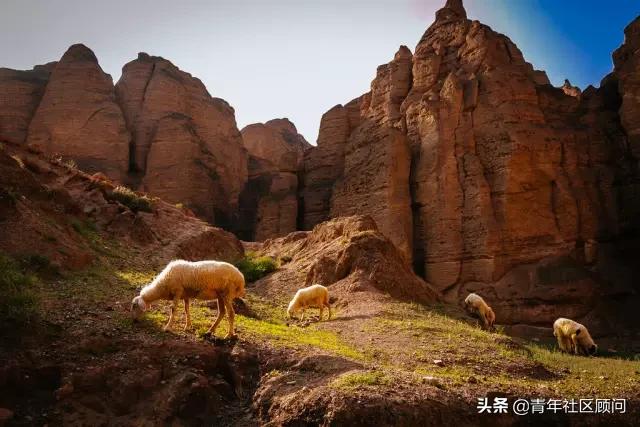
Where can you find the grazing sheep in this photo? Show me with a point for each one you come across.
(475, 305)
(312, 296)
(573, 337)
(204, 280)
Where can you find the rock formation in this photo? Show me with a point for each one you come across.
(627, 63)
(20, 94)
(159, 130)
(185, 143)
(350, 256)
(269, 202)
(78, 116)
(474, 165)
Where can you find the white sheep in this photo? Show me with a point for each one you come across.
(573, 337)
(312, 296)
(475, 305)
(204, 280)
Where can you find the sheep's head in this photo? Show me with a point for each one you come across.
(291, 310)
(585, 342)
(138, 306)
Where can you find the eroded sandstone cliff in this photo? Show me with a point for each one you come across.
(475, 166)
(269, 201)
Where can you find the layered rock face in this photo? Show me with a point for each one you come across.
(269, 202)
(352, 258)
(78, 116)
(20, 94)
(185, 143)
(474, 165)
(627, 63)
(158, 130)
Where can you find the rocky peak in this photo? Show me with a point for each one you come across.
(79, 52)
(571, 90)
(452, 10)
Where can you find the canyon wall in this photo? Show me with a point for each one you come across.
(483, 173)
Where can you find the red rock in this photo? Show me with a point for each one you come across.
(185, 143)
(626, 61)
(5, 416)
(78, 116)
(349, 255)
(20, 94)
(269, 203)
(505, 170)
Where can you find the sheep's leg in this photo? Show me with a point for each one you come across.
(302, 315)
(187, 325)
(329, 308)
(230, 317)
(221, 311)
(174, 306)
(574, 344)
(321, 312)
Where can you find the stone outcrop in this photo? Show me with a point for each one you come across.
(269, 202)
(351, 257)
(474, 165)
(78, 116)
(185, 143)
(20, 94)
(627, 63)
(158, 130)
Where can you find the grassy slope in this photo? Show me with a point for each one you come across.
(401, 344)
(406, 339)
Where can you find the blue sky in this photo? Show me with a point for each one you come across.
(298, 58)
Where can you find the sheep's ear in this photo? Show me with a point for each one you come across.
(578, 331)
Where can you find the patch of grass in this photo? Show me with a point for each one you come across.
(256, 267)
(357, 379)
(70, 164)
(274, 330)
(18, 304)
(89, 231)
(135, 279)
(597, 376)
(38, 263)
(294, 336)
(131, 199)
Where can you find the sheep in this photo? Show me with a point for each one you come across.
(476, 306)
(204, 280)
(312, 296)
(573, 337)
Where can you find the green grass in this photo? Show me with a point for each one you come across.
(255, 267)
(131, 199)
(357, 379)
(18, 304)
(135, 279)
(269, 327)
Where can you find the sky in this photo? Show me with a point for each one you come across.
(299, 58)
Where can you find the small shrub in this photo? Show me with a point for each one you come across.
(256, 267)
(131, 199)
(70, 164)
(17, 304)
(40, 264)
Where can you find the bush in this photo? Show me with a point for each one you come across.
(131, 199)
(254, 267)
(17, 304)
